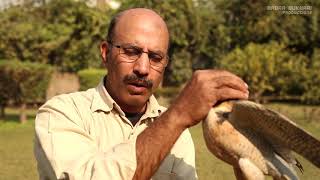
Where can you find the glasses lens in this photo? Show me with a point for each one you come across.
(154, 57)
(157, 61)
(131, 52)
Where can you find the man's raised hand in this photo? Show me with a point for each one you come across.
(203, 91)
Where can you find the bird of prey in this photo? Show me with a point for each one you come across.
(257, 141)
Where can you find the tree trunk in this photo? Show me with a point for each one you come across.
(23, 114)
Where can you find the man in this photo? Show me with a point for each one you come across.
(118, 130)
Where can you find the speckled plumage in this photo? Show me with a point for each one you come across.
(257, 141)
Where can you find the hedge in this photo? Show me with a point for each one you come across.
(90, 78)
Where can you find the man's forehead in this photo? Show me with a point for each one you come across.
(140, 26)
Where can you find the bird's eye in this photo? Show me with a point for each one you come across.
(222, 115)
(225, 115)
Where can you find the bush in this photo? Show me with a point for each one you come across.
(90, 78)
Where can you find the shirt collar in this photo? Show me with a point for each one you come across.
(153, 108)
(103, 101)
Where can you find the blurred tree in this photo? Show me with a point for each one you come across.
(269, 69)
(24, 82)
(311, 93)
(251, 21)
(64, 33)
(215, 41)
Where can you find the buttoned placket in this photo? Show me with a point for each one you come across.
(144, 118)
(133, 128)
(141, 120)
(148, 116)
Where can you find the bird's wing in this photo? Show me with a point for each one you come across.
(277, 128)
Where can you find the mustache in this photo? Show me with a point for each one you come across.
(140, 81)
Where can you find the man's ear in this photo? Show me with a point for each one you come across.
(104, 50)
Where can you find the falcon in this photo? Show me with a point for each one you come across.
(257, 141)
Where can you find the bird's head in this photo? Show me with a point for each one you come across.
(220, 112)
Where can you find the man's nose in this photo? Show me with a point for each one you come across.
(142, 65)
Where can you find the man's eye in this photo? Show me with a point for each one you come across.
(131, 51)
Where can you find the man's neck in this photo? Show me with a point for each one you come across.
(134, 117)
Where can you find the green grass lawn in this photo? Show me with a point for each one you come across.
(17, 161)
(16, 147)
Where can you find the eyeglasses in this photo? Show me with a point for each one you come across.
(132, 53)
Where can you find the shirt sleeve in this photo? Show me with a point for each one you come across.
(184, 165)
(65, 150)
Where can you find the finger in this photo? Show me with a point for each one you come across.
(229, 93)
(231, 82)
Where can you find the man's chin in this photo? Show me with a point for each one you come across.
(137, 99)
(134, 103)
(136, 96)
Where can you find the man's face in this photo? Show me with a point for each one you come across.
(132, 83)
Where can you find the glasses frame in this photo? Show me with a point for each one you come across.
(164, 57)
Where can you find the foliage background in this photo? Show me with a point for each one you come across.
(90, 77)
(276, 53)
